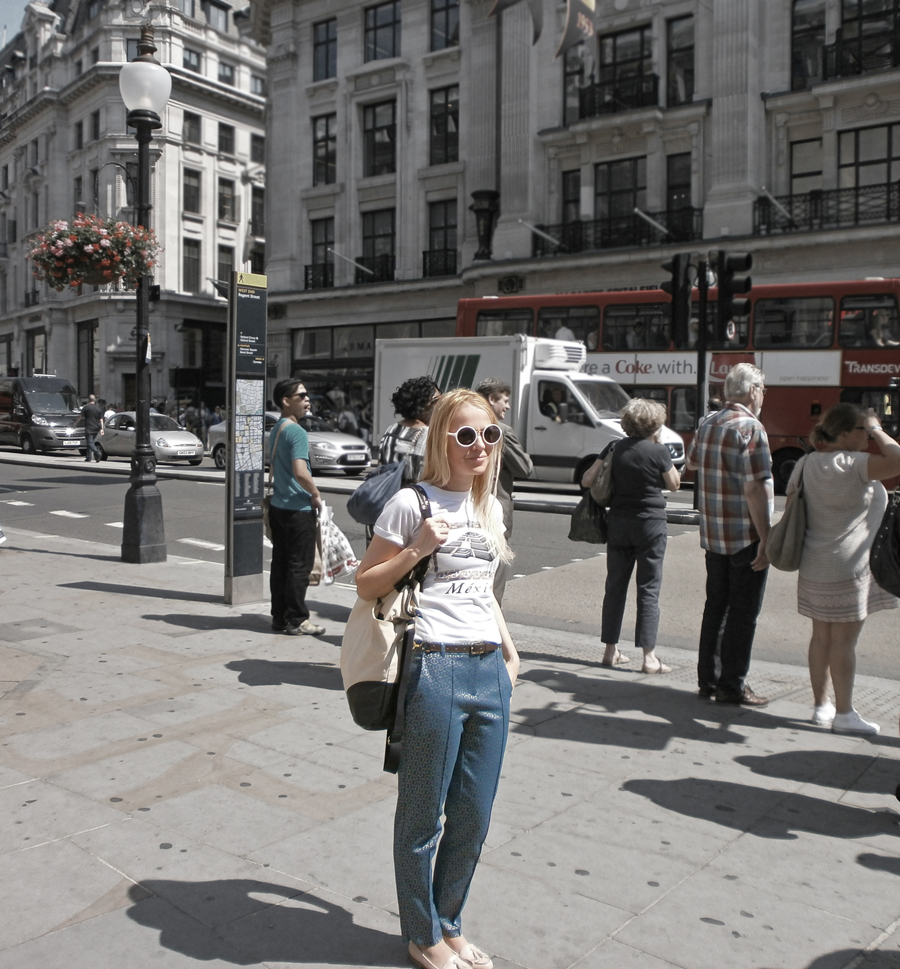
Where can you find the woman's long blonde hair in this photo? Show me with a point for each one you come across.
(437, 463)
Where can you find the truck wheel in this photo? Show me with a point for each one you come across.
(219, 456)
(26, 442)
(579, 471)
(783, 464)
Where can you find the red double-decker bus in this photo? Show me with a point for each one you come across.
(817, 343)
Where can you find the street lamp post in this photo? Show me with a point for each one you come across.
(145, 87)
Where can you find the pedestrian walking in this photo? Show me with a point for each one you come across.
(514, 463)
(92, 416)
(641, 468)
(736, 499)
(845, 503)
(413, 401)
(463, 668)
(292, 514)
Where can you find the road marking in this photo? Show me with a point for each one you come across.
(547, 568)
(519, 575)
(199, 542)
(69, 514)
(115, 524)
(18, 504)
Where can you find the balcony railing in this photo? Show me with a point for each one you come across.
(872, 50)
(612, 97)
(381, 269)
(439, 262)
(318, 276)
(684, 225)
(831, 209)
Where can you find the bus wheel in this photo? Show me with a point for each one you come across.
(580, 470)
(783, 464)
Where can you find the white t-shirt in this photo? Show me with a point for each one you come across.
(456, 601)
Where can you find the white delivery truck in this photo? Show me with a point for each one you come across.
(563, 416)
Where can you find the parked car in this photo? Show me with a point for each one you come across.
(329, 448)
(169, 439)
(40, 414)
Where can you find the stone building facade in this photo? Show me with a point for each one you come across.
(65, 148)
(770, 126)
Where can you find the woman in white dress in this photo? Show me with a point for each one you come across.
(845, 503)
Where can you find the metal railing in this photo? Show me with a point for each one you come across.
(684, 225)
(612, 97)
(875, 51)
(381, 269)
(318, 276)
(827, 209)
(439, 262)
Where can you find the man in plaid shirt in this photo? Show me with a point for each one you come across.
(731, 451)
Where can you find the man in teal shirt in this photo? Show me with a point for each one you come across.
(295, 505)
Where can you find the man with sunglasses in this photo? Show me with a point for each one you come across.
(295, 504)
(514, 463)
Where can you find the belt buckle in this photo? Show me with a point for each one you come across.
(479, 649)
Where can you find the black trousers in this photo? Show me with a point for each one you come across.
(293, 555)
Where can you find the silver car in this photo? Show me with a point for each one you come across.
(168, 438)
(329, 448)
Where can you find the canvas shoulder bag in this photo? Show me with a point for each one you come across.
(784, 547)
(602, 487)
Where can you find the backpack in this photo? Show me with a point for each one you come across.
(369, 499)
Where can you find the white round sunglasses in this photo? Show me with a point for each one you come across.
(466, 436)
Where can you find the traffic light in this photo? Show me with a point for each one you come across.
(730, 305)
(679, 288)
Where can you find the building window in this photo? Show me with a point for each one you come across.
(188, 7)
(619, 188)
(445, 125)
(444, 24)
(322, 231)
(95, 55)
(36, 208)
(442, 226)
(131, 48)
(78, 192)
(324, 150)
(257, 149)
(192, 128)
(383, 31)
(258, 261)
(806, 166)
(191, 191)
(678, 181)
(6, 342)
(379, 139)
(226, 200)
(680, 76)
(626, 55)
(225, 265)
(226, 139)
(257, 85)
(571, 196)
(807, 41)
(35, 152)
(258, 211)
(88, 357)
(378, 241)
(869, 156)
(79, 67)
(4, 177)
(93, 8)
(191, 60)
(868, 35)
(216, 16)
(226, 73)
(191, 265)
(35, 352)
(574, 79)
(79, 134)
(325, 50)
(95, 126)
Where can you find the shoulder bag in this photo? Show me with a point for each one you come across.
(369, 499)
(784, 547)
(602, 487)
(270, 487)
(589, 522)
(376, 647)
(884, 556)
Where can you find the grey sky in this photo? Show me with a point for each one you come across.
(11, 14)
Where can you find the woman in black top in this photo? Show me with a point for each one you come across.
(641, 468)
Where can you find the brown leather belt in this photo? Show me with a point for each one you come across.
(473, 649)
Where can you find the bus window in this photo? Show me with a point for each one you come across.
(884, 400)
(683, 416)
(659, 394)
(504, 322)
(735, 340)
(803, 323)
(638, 326)
(869, 321)
(581, 323)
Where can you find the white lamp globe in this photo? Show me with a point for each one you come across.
(145, 86)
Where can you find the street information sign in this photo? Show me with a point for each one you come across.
(246, 415)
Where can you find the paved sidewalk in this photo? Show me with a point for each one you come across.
(179, 786)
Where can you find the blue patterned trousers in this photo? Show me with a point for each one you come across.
(457, 719)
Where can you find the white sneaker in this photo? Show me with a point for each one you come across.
(824, 713)
(852, 722)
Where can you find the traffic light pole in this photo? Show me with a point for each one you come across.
(702, 390)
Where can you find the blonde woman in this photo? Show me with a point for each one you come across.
(463, 669)
(641, 468)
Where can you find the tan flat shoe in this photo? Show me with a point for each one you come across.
(418, 958)
(475, 957)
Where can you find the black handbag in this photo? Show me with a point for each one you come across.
(589, 522)
(884, 556)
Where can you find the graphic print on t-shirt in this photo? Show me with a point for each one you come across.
(464, 563)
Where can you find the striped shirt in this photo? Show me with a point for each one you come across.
(730, 448)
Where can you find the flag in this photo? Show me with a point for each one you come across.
(579, 24)
(537, 14)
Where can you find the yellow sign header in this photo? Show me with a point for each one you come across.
(252, 279)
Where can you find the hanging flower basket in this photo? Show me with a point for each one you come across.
(95, 251)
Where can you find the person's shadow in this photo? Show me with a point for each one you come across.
(247, 922)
